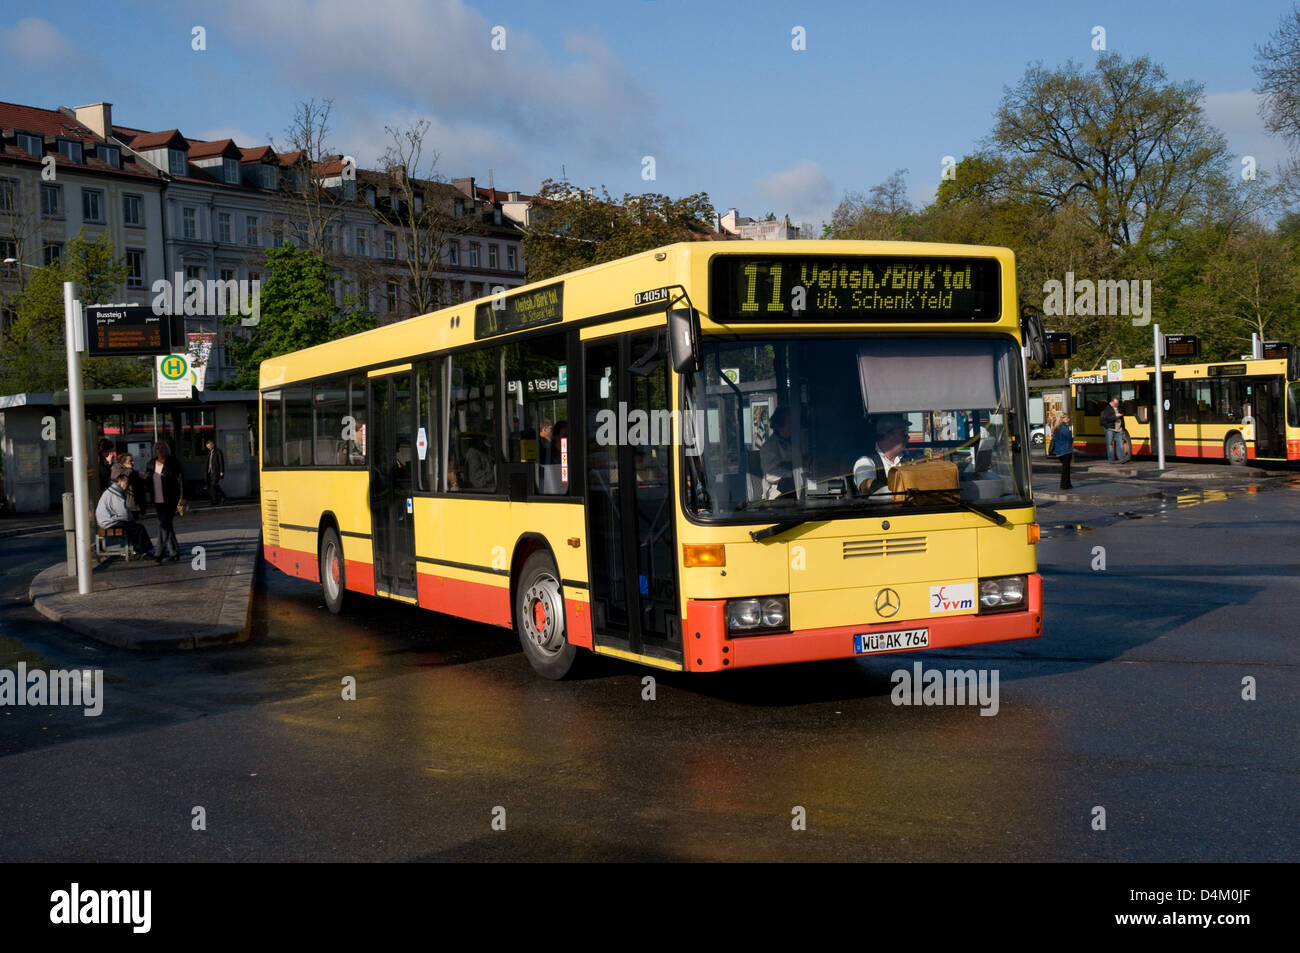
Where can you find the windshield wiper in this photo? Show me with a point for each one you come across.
(776, 529)
(987, 512)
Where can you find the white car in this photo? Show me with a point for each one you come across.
(1038, 435)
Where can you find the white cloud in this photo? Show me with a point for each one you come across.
(1236, 115)
(435, 57)
(36, 40)
(804, 192)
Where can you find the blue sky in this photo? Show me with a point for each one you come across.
(712, 90)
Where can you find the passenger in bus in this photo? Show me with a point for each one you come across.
(480, 472)
(546, 452)
(871, 472)
(775, 457)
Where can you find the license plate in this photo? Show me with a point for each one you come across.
(865, 643)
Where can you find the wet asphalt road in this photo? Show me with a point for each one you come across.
(1131, 702)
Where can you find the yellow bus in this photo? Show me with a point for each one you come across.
(1236, 411)
(705, 457)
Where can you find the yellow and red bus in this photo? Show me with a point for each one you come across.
(1236, 411)
(682, 458)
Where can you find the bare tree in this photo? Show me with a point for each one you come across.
(307, 208)
(420, 207)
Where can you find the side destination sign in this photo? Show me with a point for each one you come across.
(525, 309)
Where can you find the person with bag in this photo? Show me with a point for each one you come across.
(1063, 449)
(168, 493)
(1112, 422)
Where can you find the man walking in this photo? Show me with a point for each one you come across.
(1112, 422)
(215, 473)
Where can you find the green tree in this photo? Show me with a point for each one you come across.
(885, 213)
(35, 356)
(576, 229)
(297, 311)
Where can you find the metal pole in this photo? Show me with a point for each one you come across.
(77, 410)
(1160, 403)
(70, 531)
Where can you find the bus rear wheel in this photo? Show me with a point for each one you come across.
(333, 575)
(539, 619)
(1234, 450)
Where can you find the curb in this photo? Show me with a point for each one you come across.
(232, 625)
(1058, 497)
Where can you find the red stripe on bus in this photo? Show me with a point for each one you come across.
(577, 622)
(1293, 449)
(293, 562)
(709, 650)
(479, 601)
(360, 576)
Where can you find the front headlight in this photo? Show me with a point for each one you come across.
(1003, 593)
(756, 616)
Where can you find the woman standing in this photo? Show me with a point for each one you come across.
(165, 478)
(1063, 449)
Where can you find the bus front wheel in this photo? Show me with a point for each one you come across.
(539, 618)
(333, 577)
(1234, 450)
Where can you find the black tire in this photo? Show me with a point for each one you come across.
(1126, 446)
(540, 621)
(1234, 450)
(333, 570)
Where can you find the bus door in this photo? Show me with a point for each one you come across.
(392, 516)
(1170, 395)
(633, 557)
(1268, 405)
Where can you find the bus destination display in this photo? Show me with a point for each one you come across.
(113, 331)
(528, 309)
(854, 288)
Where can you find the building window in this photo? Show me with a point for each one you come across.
(361, 241)
(92, 205)
(135, 262)
(231, 168)
(473, 254)
(460, 207)
(189, 222)
(8, 249)
(177, 162)
(390, 245)
(370, 196)
(453, 253)
(251, 226)
(492, 256)
(70, 150)
(223, 228)
(110, 155)
(390, 296)
(511, 261)
(193, 272)
(51, 200)
(8, 195)
(131, 210)
(226, 274)
(32, 145)
(329, 237)
(52, 252)
(267, 176)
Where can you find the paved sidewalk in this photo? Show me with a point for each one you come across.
(21, 525)
(140, 604)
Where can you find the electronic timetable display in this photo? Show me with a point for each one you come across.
(854, 288)
(515, 312)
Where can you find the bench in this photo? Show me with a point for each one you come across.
(112, 542)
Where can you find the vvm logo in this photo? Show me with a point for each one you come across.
(952, 597)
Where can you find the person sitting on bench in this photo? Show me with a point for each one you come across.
(112, 512)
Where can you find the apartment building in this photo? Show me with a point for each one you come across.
(61, 173)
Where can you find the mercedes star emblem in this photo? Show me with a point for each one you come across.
(887, 603)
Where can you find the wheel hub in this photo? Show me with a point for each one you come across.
(543, 615)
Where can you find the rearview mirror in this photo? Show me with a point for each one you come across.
(684, 339)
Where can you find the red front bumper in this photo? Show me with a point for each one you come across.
(710, 649)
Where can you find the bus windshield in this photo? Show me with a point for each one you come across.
(800, 428)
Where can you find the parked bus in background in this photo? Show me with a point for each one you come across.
(1236, 411)
(698, 458)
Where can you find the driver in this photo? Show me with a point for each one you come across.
(871, 472)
